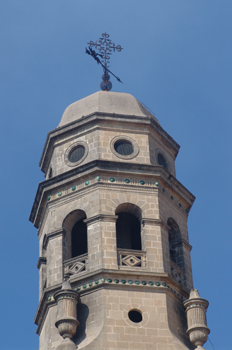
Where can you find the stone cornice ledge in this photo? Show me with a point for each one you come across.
(156, 222)
(105, 165)
(42, 261)
(54, 234)
(101, 217)
(46, 301)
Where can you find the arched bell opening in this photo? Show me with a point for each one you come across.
(128, 231)
(75, 235)
(79, 238)
(128, 226)
(128, 235)
(176, 251)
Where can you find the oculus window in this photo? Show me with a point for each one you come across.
(124, 147)
(76, 154)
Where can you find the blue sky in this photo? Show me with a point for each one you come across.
(176, 60)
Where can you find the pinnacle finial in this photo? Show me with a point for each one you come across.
(196, 317)
(105, 48)
(66, 283)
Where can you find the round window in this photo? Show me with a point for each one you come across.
(76, 154)
(135, 316)
(124, 147)
(162, 160)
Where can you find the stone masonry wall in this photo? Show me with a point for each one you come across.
(98, 141)
(105, 325)
(100, 204)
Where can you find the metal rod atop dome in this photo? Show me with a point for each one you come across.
(105, 48)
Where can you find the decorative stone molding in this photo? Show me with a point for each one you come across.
(101, 217)
(66, 323)
(196, 308)
(132, 282)
(42, 261)
(156, 222)
(116, 279)
(76, 265)
(131, 258)
(144, 169)
(55, 234)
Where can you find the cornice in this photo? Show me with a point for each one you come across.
(101, 217)
(54, 234)
(42, 261)
(116, 279)
(109, 169)
(156, 222)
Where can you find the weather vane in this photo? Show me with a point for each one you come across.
(105, 48)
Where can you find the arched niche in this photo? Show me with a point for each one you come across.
(128, 226)
(175, 244)
(75, 239)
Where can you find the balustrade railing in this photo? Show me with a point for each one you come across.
(131, 258)
(76, 265)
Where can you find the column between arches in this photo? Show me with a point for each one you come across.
(102, 250)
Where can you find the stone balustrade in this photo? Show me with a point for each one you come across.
(131, 258)
(76, 265)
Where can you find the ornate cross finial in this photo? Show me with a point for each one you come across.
(105, 48)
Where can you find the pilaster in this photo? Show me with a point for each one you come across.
(102, 250)
(152, 244)
(55, 258)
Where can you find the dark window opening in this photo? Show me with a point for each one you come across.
(76, 154)
(124, 147)
(135, 316)
(175, 244)
(79, 238)
(162, 160)
(128, 231)
(50, 173)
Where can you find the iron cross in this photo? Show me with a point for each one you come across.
(105, 48)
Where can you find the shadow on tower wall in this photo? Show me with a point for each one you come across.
(82, 315)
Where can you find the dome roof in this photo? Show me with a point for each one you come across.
(105, 102)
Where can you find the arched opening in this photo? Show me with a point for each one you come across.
(175, 244)
(128, 231)
(75, 239)
(79, 239)
(128, 227)
(162, 161)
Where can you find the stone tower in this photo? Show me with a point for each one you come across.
(114, 266)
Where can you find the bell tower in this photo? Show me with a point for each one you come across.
(114, 266)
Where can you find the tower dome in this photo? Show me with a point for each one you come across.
(105, 102)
